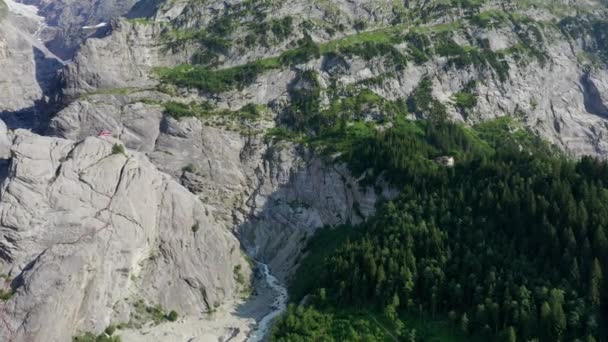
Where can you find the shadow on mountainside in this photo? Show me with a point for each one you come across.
(594, 104)
(36, 117)
(144, 9)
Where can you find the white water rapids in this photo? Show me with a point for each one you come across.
(278, 306)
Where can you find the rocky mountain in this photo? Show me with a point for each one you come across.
(29, 82)
(233, 114)
(494, 49)
(91, 232)
(217, 62)
(69, 22)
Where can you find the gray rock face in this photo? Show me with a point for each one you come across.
(135, 123)
(29, 70)
(5, 141)
(124, 59)
(273, 196)
(66, 19)
(87, 232)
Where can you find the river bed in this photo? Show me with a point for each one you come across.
(279, 305)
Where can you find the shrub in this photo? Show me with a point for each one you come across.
(249, 111)
(281, 28)
(465, 100)
(211, 81)
(238, 275)
(307, 49)
(90, 337)
(461, 57)
(178, 110)
(118, 149)
(369, 50)
(110, 330)
(189, 168)
(6, 294)
(359, 25)
(424, 105)
(172, 316)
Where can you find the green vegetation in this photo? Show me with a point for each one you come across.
(424, 105)
(318, 248)
(103, 337)
(423, 43)
(466, 98)
(281, 29)
(6, 294)
(304, 113)
(419, 46)
(222, 80)
(369, 50)
(238, 275)
(172, 316)
(411, 38)
(195, 227)
(306, 50)
(144, 314)
(212, 81)
(320, 322)
(179, 110)
(309, 324)
(190, 168)
(118, 149)
(110, 330)
(509, 243)
(465, 56)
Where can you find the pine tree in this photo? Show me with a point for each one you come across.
(545, 321)
(391, 309)
(595, 284)
(510, 335)
(558, 317)
(464, 323)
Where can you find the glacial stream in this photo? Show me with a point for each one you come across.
(278, 306)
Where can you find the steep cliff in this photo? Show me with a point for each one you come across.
(91, 235)
(29, 71)
(69, 22)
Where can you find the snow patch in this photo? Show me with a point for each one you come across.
(100, 25)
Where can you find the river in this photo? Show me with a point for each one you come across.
(278, 306)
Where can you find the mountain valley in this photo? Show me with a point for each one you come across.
(305, 170)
